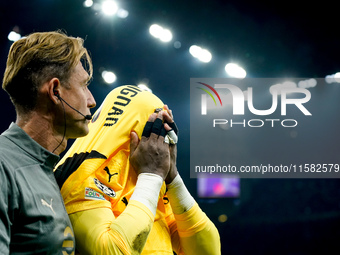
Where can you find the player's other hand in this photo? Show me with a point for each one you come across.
(151, 154)
(169, 124)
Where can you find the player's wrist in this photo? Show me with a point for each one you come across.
(147, 190)
(153, 171)
(180, 199)
(171, 175)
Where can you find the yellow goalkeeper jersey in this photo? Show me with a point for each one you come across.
(95, 172)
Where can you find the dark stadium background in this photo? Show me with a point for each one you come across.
(268, 39)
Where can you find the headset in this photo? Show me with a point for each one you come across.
(87, 117)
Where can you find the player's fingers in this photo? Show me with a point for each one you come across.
(158, 124)
(152, 117)
(133, 142)
(148, 125)
(171, 137)
(147, 129)
(173, 126)
(166, 107)
(167, 127)
(163, 131)
(167, 118)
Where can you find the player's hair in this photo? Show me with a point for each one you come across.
(38, 58)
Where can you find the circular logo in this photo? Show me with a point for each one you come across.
(106, 190)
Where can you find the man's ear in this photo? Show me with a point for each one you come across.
(53, 87)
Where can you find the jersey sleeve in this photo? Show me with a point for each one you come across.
(97, 231)
(193, 233)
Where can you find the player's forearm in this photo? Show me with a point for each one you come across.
(99, 232)
(135, 223)
(147, 190)
(180, 199)
(198, 235)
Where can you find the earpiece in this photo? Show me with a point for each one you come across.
(56, 93)
(87, 117)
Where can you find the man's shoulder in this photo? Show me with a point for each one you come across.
(8, 155)
(7, 146)
(11, 155)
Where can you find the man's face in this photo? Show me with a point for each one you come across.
(80, 98)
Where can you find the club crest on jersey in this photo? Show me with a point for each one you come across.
(106, 190)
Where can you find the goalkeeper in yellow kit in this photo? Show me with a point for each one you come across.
(125, 196)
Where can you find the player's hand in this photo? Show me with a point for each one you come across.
(169, 124)
(151, 154)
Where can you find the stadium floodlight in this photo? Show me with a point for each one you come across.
(195, 50)
(337, 77)
(109, 77)
(161, 33)
(88, 3)
(305, 84)
(109, 7)
(201, 54)
(166, 35)
(235, 70)
(205, 56)
(144, 87)
(277, 88)
(13, 36)
(155, 30)
(333, 78)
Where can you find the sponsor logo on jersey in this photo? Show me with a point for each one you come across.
(92, 194)
(106, 190)
(107, 170)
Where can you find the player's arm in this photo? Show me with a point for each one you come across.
(192, 232)
(97, 231)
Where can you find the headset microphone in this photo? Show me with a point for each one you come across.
(88, 117)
